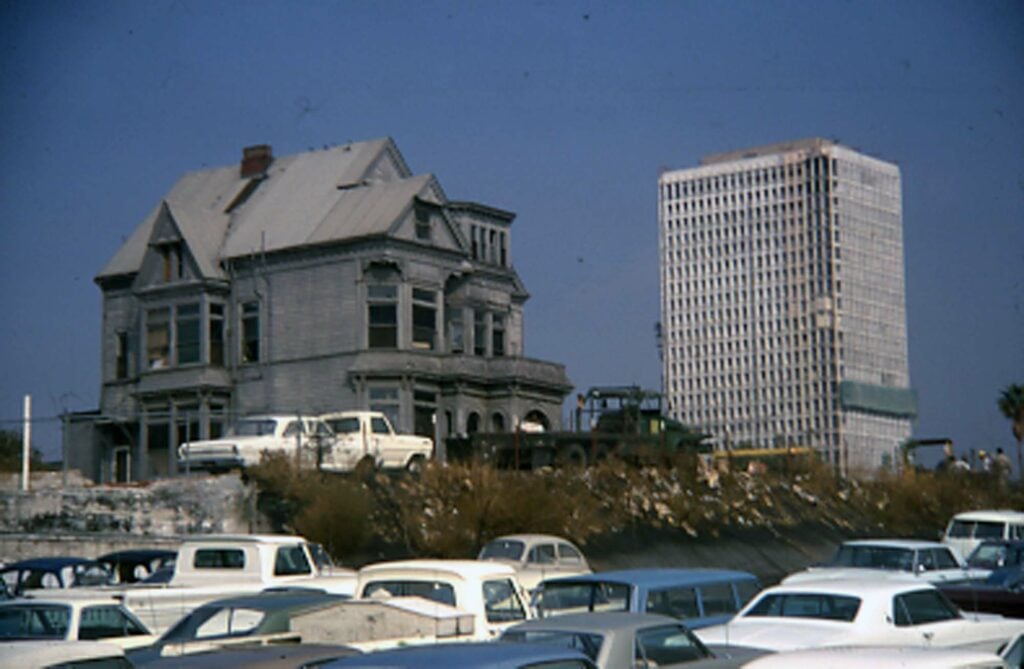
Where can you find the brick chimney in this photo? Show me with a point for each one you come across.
(256, 160)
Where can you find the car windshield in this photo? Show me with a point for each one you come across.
(988, 555)
(966, 529)
(253, 428)
(822, 606)
(569, 597)
(503, 549)
(874, 557)
(668, 644)
(435, 591)
(34, 621)
(585, 642)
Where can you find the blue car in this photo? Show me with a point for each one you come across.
(700, 597)
(475, 655)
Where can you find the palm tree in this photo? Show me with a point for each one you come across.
(1011, 403)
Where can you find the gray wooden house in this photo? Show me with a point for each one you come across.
(321, 281)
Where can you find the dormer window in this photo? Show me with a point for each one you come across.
(423, 232)
(172, 261)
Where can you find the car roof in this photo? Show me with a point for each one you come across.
(277, 600)
(997, 515)
(854, 586)
(595, 622)
(531, 538)
(459, 568)
(78, 599)
(137, 554)
(489, 654)
(658, 577)
(246, 538)
(913, 544)
(47, 563)
(278, 656)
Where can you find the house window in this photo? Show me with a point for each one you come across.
(121, 355)
(187, 333)
(250, 332)
(456, 333)
(217, 335)
(171, 260)
(497, 335)
(382, 307)
(479, 332)
(385, 400)
(158, 338)
(424, 319)
(422, 224)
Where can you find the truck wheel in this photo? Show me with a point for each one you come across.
(415, 465)
(572, 455)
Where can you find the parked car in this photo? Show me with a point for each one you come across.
(930, 561)
(996, 554)
(469, 655)
(536, 557)
(85, 619)
(488, 590)
(368, 436)
(879, 658)
(1002, 592)
(846, 612)
(246, 620)
(63, 655)
(966, 530)
(249, 437)
(135, 565)
(53, 572)
(700, 597)
(614, 640)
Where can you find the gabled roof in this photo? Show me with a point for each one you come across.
(309, 198)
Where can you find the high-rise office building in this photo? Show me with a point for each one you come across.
(783, 318)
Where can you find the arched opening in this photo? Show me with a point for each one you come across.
(497, 422)
(535, 421)
(473, 423)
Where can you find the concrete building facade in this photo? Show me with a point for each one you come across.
(783, 314)
(322, 281)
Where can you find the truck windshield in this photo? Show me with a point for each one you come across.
(253, 428)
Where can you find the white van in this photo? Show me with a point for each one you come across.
(966, 530)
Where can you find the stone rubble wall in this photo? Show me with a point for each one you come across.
(65, 514)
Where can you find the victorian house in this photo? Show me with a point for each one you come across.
(309, 283)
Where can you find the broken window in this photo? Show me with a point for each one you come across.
(497, 335)
(158, 338)
(479, 332)
(382, 316)
(250, 332)
(424, 318)
(187, 333)
(217, 335)
(121, 355)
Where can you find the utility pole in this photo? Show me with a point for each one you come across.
(26, 443)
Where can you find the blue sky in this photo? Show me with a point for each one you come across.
(564, 112)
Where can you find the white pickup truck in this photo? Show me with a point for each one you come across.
(360, 436)
(215, 566)
(249, 437)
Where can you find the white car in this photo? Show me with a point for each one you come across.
(928, 561)
(487, 590)
(879, 658)
(63, 654)
(536, 557)
(249, 437)
(967, 530)
(85, 618)
(844, 612)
